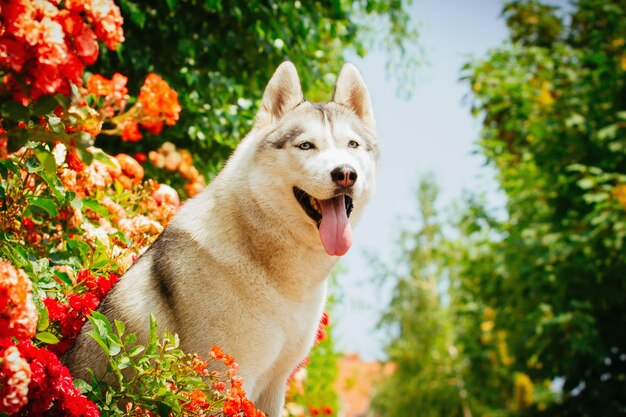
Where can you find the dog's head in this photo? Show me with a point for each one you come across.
(320, 157)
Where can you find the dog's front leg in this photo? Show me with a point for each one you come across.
(272, 399)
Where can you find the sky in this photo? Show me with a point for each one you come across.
(433, 132)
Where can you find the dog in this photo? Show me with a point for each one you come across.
(244, 264)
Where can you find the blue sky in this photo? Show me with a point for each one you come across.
(433, 132)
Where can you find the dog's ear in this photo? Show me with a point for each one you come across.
(351, 91)
(282, 94)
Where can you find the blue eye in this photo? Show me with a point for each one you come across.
(353, 144)
(305, 146)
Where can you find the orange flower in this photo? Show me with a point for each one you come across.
(130, 131)
(159, 101)
(216, 352)
(199, 365)
(154, 127)
(18, 316)
(73, 161)
(99, 85)
(198, 396)
(248, 408)
(232, 405)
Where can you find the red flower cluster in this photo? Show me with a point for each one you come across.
(31, 379)
(236, 400)
(46, 47)
(98, 286)
(18, 316)
(51, 383)
(72, 316)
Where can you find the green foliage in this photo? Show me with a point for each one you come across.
(552, 104)
(427, 379)
(536, 296)
(157, 377)
(219, 56)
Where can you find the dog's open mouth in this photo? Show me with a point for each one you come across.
(331, 217)
(312, 206)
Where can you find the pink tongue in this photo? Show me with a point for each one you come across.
(335, 229)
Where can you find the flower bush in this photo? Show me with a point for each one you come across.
(74, 218)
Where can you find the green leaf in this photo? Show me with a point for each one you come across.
(95, 206)
(33, 165)
(124, 362)
(56, 125)
(164, 410)
(135, 12)
(47, 337)
(63, 276)
(44, 203)
(173, 402)
(153, 339)
(44, 320)
(86, 156)
(13, 110)
(83, 386)
(45, 105)
(79, 249)
(136, 350)
(120, 328)
(77, 203)
(7, 165)
(47, 160)
(54, 184)
(101, 323)
(586, 183)
(95, 336)
(130, 339)
(607, 132)
(105, 158)
(114, 347)
(171, 4)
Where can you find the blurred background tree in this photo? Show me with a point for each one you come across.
(536, 295)
(220, 54)
(424, 381)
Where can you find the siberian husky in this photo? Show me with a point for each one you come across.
(244, 264)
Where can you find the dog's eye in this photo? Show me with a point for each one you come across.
(353, 144)
(305, 146)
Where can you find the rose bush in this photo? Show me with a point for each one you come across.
(73, 219)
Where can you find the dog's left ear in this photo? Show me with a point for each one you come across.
(351, 91)
(282, 94)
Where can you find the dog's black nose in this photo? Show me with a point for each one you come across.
(344, 175)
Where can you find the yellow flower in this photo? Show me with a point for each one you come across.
(522, 391)
(617, 42)
(619, 192)
(486, 326)
(622, 62)
(545, 98)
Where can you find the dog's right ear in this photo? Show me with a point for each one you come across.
(282, 94)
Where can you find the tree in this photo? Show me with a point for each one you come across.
(222, 53)
(536, 296)
(553, 103)
(427, 379)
